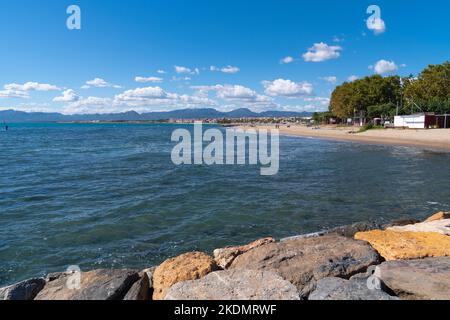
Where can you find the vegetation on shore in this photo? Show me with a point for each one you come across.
(384, 97)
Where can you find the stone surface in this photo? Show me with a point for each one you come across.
(439, 226)
(304, 261)
(393, 245)
(350, 230)
(427, 279)
(141, 289)
(25, 290)
(398, 222)
(340, 289)
(235, 285)
(439, 216)
(304, 236)
(225, 256)
(189, 266)
(95, 285)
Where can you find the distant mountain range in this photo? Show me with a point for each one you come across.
(205, 113)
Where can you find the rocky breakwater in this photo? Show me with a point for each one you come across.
(365, 261)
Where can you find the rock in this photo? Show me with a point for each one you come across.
(55, 275)
(25, 290)
(425, 279)
(393, 245)
(141, 289)
(150, 272)
(95, 285)
(439, 226)
(189, 266)
(304, 261)
(235, 285)
(439, 216)
(398, 222)
(340, 289)
(303, 236)
(350, 230)
(224, 257)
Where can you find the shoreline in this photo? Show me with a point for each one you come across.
(339, 266)
(436, 139)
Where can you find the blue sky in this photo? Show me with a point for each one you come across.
(163, 55)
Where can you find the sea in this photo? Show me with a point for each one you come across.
(109, 196)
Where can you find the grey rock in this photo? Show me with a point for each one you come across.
(350, 230)
(304, 236)
(235, 285)
(95, 285)
(400, 222)
(424, 279)
(224, 257)
(25, 290)
(439, 226)
(141, 289)
(340, 289)
(304, 261)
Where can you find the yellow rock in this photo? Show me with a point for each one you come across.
(394, 245)
(188, 266)
(439, 216)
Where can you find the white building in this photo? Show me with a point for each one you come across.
(415, 121)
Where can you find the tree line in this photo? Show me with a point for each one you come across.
(384, 97)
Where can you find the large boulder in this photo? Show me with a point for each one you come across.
(235, 285)
(394, 245)
(304, 261)
(225, 256)
(340, 289)
(439, 216)
(439, 226)
(25, 290)
(189, 266)
(427, 279)
(95, 285)
(141, 289)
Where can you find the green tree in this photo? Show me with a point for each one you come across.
(431, 89)
(354, 97)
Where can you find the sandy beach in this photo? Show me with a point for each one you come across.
(433, 138)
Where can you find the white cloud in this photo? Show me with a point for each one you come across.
(321, 100)
(337, 39)
(30, 107)
(156, 96)
(31, 86)
(377, 25)
(236, 94)
(322, 52)
(384, 67)
(99, 83)
(174, 78)
(330, 79)
(148, 79)
(287, 60)
(8, 94)
(185, 70)
(304, 108)
(142, 94)
(227, 69)
(160, 71)
(67, 96)
(352, 78)
(90, 105)
(287, 88)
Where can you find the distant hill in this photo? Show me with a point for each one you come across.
(205, 113)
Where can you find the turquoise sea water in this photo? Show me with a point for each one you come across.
(103, 196)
